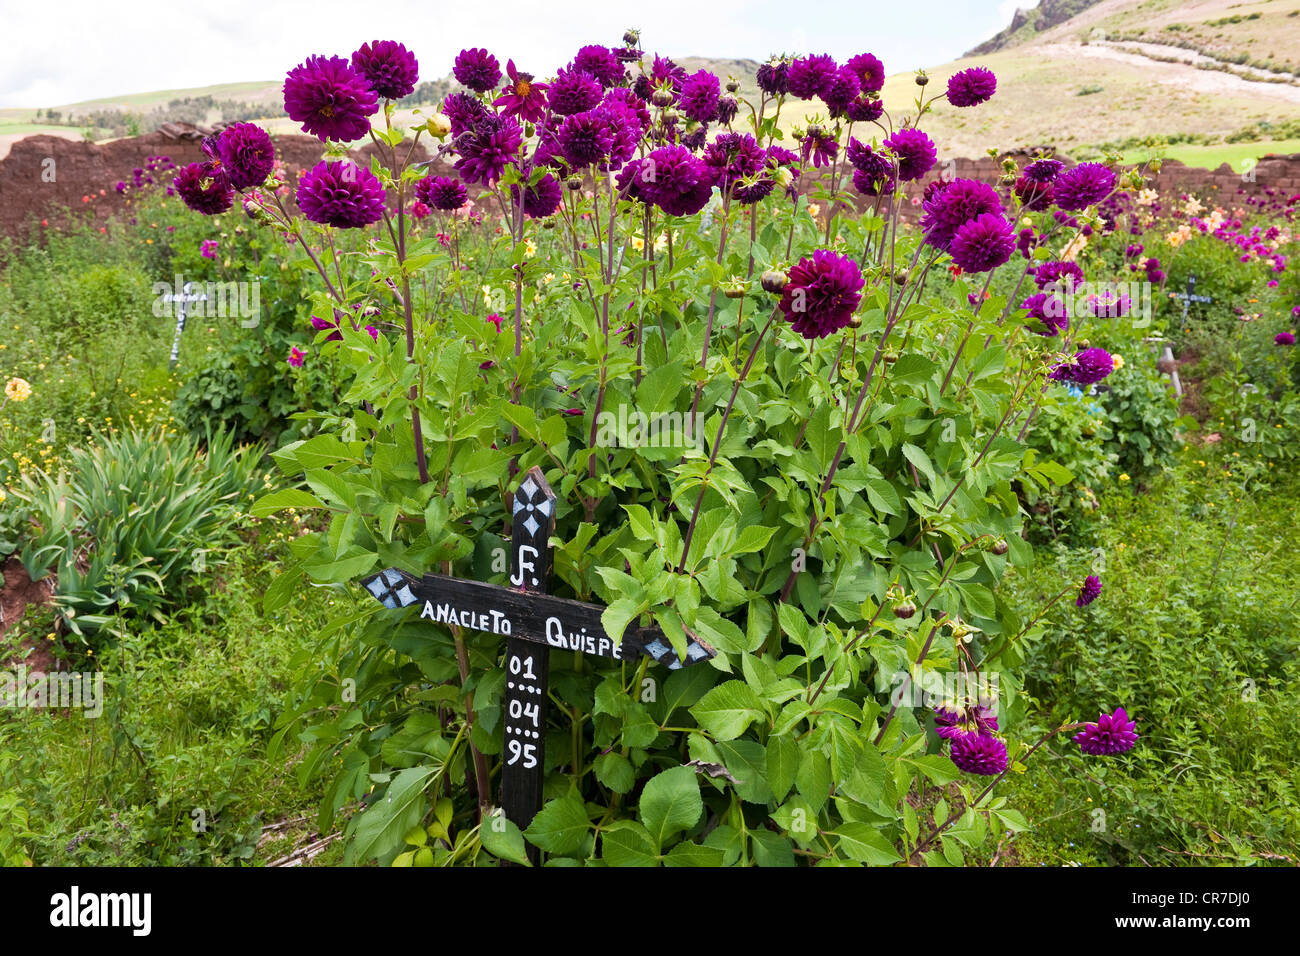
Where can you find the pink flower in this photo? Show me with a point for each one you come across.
(495, 320)
(296, 356)
(208, 249)
(444, 238)
(374, 332)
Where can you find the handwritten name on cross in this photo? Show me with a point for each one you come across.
(1190, 296)
(533, 622)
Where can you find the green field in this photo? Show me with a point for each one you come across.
(1236, 155)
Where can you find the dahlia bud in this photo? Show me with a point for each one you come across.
(438, 126)
(1000, 547)
(854, 322)
(1155, 165)
(735, 289)
(922, 79)
(900, 277)
(890, 357)
(733, 86)
(904, 609)
(631, 37)
(548, 223)
(671, 116)
(784, 177)
(774, 281)
(662, 98)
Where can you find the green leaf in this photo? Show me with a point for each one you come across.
(615, 771)
(693, 854)
(618, 615)
(670, 803)
(728, 710)
(379, 829)
(627, 843)
(747, 762)
(284, 498)
(782, 765)
(561, 826)
(860, 842)
(502, 839)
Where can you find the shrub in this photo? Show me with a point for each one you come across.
(123, 526)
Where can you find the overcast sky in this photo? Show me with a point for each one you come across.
(66, 51)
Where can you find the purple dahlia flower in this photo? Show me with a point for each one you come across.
(915, 151)
(807, 76)
(820, 145)
(1284, 338)
(341, 194)
(772, 79)
(1049, 311)
(585, 138)
(205, 188)
(979, 753)
(865, 109)
(1082, 186)
(485, 153)
(463, 112)
(874, 171)
(1033, 195)
(390, 68)
(676, 181)
(728, 107)
(442, 192)
(574, 91)
(477, 69)
(1111, 734)
(733, 157)
(1089, 591)
(972, 86)
(246, 154)
(523, 97)
(602, 63)
(870, 71)
(840, 90)
(983, 243)
(1044, 170)
(699, 96)
(330, 99)
(542, 198)
(822, 294)
(1089, 366)
(1108, 304)
(1064, 275)
(951, 723)
(952, 206)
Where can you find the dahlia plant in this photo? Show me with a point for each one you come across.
(627, 242)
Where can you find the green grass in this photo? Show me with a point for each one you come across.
(1236, 155)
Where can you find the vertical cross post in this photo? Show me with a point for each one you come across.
(1187, 296)
(527, 664)
(180, 326)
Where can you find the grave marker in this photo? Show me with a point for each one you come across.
(533, 622)
(184, 298)
(1190, 296)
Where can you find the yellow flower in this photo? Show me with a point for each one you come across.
(1123, 477)
(18, 390)
(3, 496)
(1119, 361)
(814, 210)
(530, 248)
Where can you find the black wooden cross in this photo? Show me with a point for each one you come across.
(533, 622)
(1190, 296)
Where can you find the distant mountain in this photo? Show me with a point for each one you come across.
(1026, 23)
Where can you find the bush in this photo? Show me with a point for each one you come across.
(131, 518)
